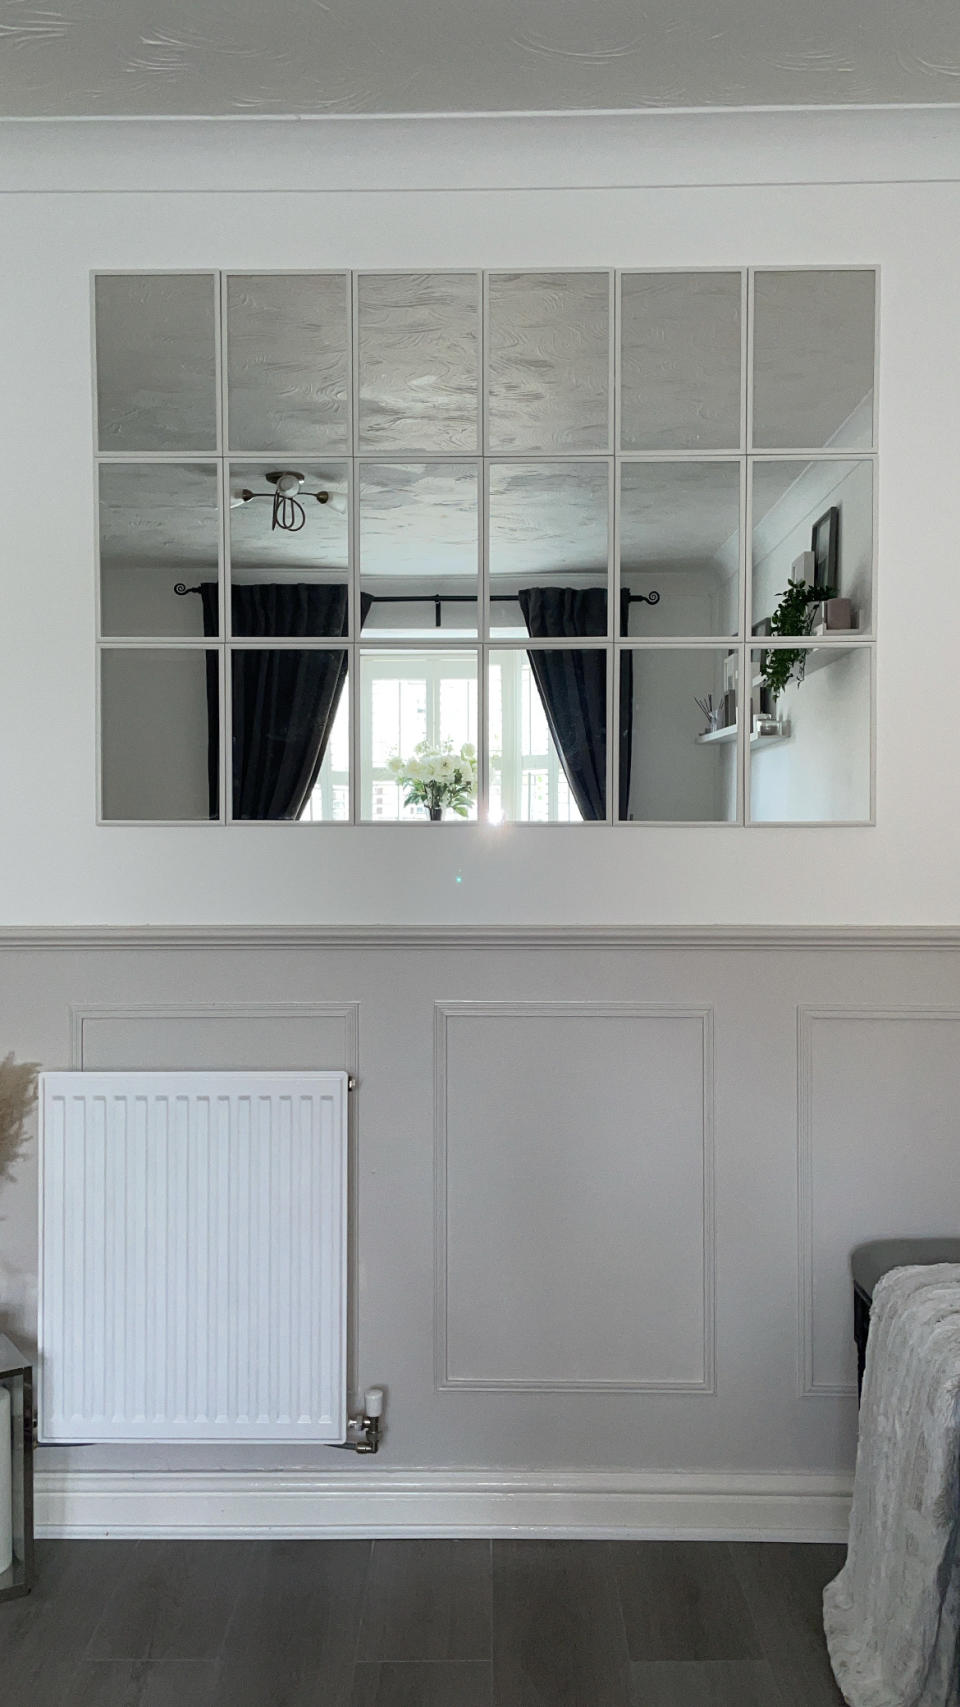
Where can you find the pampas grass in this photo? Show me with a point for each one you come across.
(18, 1094)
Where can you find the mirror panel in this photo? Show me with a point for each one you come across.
(286, 703)
(549, 362)
(813, 360)
(815, 765)
(418, 338)
(681, 361)
(547, 723)
(410, 700)
(419, 541)
(288, 362)
(159, 733)
(678, 757)
(156, 361)
(813, 521)
(679, 539)
(549, 549)
(289, 582)
(159, 525)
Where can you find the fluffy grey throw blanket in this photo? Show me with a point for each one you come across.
(892, 1616)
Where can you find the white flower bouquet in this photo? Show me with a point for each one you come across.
(436, 777)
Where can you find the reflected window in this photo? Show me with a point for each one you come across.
(415, 708)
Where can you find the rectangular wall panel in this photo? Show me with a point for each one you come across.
(879, 1158)
(193, 1256)
(574, 1197)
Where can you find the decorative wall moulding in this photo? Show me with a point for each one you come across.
(697, 1267)
(94, 938)
(493, 151)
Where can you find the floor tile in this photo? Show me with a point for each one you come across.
(439, 1685)
(43, 1635)
(142, 1683)
(558, 1638)
(177, 1604)
(783, 1583)
(709, 1683)
(299, 1605)
(681, 1601)
(259, 1684)
(427, 1600)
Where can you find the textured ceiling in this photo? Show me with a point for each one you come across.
(142, 57)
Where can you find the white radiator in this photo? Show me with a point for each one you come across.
(193, 1256)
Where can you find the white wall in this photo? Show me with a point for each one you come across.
(900, 871)
(742, 1368)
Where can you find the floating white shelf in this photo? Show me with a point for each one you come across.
(720, 736)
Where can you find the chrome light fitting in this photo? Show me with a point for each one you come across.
(288, 512)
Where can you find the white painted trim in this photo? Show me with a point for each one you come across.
(349, 154)
(442, 1014)
(93, 937)
(621, 1504)
(808, 1387)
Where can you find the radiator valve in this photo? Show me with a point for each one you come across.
(367, 1426)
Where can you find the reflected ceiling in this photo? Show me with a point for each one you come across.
(140, 57)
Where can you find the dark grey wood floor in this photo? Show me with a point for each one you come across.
(420, 1624)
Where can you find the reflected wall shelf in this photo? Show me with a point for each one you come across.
(720, 736)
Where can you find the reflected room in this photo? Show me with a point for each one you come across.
(679, 549)
(678, 709)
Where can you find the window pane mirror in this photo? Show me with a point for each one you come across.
(289, 549)
(419, 549)
(549, 362)
(681, 366)
(547, 716)
(418, 361)
(815, 765)
(813, 360)
(160, 733)
(678, 740)
(159, 528)
(549, 549)
(288, 363)
(156, 361)
(417, 710)
(679, 548)
(285, 707)
(813, 522)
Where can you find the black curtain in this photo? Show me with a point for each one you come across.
(572, 689)
(284, 701)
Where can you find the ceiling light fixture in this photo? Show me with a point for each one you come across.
(288, 512)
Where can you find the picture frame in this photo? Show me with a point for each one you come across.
(825, 545)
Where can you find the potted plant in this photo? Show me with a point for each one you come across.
(793, 615)
(18, 1093)
(438, 777)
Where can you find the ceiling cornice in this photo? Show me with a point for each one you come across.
(476, 152)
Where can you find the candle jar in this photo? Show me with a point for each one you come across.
(16, 1471)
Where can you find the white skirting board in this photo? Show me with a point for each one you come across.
(375, 1502)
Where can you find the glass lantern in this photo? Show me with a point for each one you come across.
(16, 1471)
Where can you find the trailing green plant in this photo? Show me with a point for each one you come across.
(793, 615)
(18, 1093)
